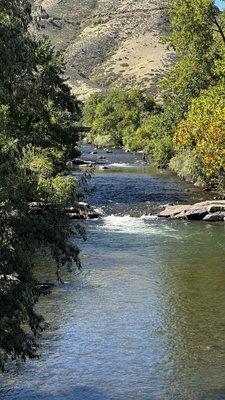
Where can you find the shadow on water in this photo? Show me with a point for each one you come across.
(75, 393)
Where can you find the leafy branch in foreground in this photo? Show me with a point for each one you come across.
(38, 132)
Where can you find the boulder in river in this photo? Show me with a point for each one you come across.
(196, 214)
(213, 210)
(216, 216)
(82, 210)
(78, 161)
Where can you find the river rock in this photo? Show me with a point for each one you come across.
(94, 215)
(216, 208)
(173, 210)
(196, 214)
(78, 161)
(213, 210)
(81, 211)
(214, 217)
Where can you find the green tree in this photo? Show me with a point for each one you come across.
(193, 86)
(198, 39)
(203, 131)
(115, 117)
(38, 132)
(192, 26)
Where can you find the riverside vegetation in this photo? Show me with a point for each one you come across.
(38, 133)
(186, 131)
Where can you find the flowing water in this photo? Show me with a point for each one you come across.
(145, 319)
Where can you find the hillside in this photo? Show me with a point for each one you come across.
(107, 44)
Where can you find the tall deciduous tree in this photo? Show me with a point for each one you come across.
(38, 131)
(197, 36)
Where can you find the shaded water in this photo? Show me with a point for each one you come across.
(145, 319)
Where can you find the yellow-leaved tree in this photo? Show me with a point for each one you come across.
(203, 131)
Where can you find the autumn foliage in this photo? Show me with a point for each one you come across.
(203, 130)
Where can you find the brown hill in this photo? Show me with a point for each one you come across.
(107, 43)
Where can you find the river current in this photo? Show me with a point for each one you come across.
(145, 318)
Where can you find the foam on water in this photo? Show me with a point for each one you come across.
(145, 225)
(121, 165)
(148, 217)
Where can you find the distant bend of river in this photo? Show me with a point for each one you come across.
(145, 319)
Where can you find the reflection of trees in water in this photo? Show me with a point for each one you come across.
(195, 320)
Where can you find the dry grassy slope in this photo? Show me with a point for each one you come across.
(108, 43)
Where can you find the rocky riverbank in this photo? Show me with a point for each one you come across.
(80, 210)
(213, 210)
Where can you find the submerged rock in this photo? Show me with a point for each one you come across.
(101, 158)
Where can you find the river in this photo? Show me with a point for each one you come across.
(145, 318)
